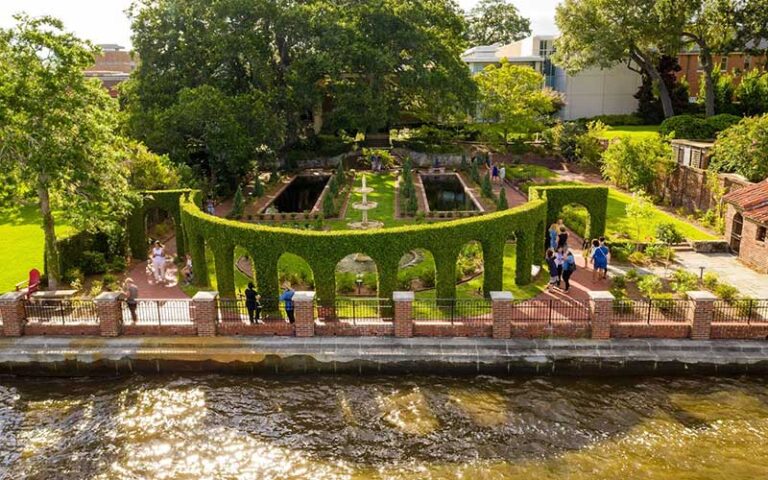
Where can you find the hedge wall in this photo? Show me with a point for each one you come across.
(594, 199)
(323, 250)
(167, 200)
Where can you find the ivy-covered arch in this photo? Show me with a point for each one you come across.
(594, 199)
(166, 200)
(323, 250)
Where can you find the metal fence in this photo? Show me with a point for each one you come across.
(62, 312)
(359, 310)
(649, 311)
(551, 311)
(745, 311)
(465, 311)
(160, 312)
(235, 310)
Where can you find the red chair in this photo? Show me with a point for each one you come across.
(34, 282)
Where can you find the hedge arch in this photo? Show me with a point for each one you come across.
(323, 250)
(594, 199)
(167, 200)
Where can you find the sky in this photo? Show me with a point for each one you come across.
(105, 21)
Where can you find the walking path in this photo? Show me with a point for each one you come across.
(141, 273)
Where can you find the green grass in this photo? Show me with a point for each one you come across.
(22, 243)
(632, 131)
(527, 171)
(383, 194)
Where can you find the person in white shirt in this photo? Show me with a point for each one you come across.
(157, 257)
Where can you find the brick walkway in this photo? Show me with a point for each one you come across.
(141, 273)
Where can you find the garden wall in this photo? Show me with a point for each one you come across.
(687, 187)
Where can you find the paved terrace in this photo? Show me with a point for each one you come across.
(72, 356)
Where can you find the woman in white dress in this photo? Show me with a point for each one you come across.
(158, 262)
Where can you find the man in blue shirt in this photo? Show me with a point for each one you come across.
(287, 299)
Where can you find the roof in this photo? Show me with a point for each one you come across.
(693, 143)
(693, 49)
(753, 201)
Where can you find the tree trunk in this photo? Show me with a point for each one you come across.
(709, 84)
(664, 95)
(51, 250)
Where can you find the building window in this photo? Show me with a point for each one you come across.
(724, 64)
(761, 234)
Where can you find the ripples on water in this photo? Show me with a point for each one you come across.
(383, 427)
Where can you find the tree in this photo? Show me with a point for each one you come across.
(57, 130)
(486, 188)
(752, 92)
(640, 208)
(649, 106)
(502, 203)
(637, 164)
(147, 170)
(604, 33)
(238, 204)
(743, 149)
(721, 89)
(512, 95)
(496, 21)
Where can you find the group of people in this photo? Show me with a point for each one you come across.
(253, 303)
(561, 262)
(377, 163)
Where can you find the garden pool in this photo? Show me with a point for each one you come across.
(394, 427)
(447, 193)
(301, 194)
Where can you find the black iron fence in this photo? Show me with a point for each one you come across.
(443, 310)
(236, 310)
(62, 312)
(551, 311)
(359, 310)
(648, 311)
(746, 311)
(159, 312)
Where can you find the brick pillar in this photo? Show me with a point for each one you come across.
(14, 314)
(304, 311)
(701, 310)
(110, 313)
(501, 303)
(601, 314)
(403, 314)
(206, 313)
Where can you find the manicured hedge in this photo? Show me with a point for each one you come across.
(594, 199)
(167, 200)
(323, 250)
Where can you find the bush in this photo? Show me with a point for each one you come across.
(684, 281)
(638, 258)
(742, 149)
(502, 204)
(387, 160)
(636, 164)
(345, 282)
(475, 173)
(319, 221)
(746, 306)
(93, 262)
(258, 187)
(726, 292)
(618, 282)
(649, 285)
(722, 121)
(575, 217)
(686, 126)
(656, 251)
(487, 188)
(329, 209)
(74, 277)
(665, 302)
(668, 233)
(117, 264)
(631, 275)
(427, 278)
(616, 120)
(238, 204)
(752, 92)
(710, 281)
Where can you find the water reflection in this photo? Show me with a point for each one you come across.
(383, 427)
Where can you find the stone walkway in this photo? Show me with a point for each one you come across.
(141, 273)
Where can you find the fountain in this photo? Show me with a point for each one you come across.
(364, 206)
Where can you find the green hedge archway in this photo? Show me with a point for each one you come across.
(166, 200)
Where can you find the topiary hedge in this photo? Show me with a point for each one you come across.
(323, 250)
(594, 199)
(167, 200)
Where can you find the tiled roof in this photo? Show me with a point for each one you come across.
(753, 201)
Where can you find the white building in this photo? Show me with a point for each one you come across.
(589, 93)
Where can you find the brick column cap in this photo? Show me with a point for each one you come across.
(303, 296)
(109, 297)
(12, 297)
(600, 295)
(701, 296)
(403, 296)
(502, 296)
(205, 296)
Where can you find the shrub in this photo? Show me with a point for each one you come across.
(743, 149)
(427, 278)
(319, 221)
(631, 275)
(387, 160)
(726, 292)
(487, 188)
(668, 233)
(618, 282)
(329, 209)
(117, 264)
(752, 92)
(93, 262)
(616, 120)
(710, 281)
(721, 122)
(656, 251)
(74, 277)
(238, 204)
(502, 204)
(258, 187)
(746, 306)
(637, 163)
(475, 173)
(575, 217)
(686, 126)
(684, 281)
(665, 302)
(649, 285)
(345, 282)
(110, 281)
(96, 288)
(412, 205)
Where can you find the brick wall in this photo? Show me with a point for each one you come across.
(439, 329)
(752, 252)
(344, 329)
(639, 330)
(262, 329)
(403, 317)
(735, 331)
(546, 330)
(159, 330)
(304, 311)
(205, 313)
(687, 187)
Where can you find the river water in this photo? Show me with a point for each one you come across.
(402, 427)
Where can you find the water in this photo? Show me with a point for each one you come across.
(302, 194)
(446, 193)
(383, 427)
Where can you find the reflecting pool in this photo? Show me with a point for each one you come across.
(446, 193)
(237, 427)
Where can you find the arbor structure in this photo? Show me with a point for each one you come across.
(496, 21)
(57, 130)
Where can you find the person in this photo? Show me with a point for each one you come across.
(252, 303)
(562, 239)
(502, 174)
(559, 260)
(569, 266)
(187, 270)
(550, 258)
(131, 292)
(599, 260)
(210, 208)
(158, 261)
(607, 253)
(287, 298)
(495, 173)
(553, 236)
(586, 251)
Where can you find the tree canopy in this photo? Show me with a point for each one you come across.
(496, 21)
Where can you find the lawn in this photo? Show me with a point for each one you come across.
(383, 185)
(22, 244)
(632, 131)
